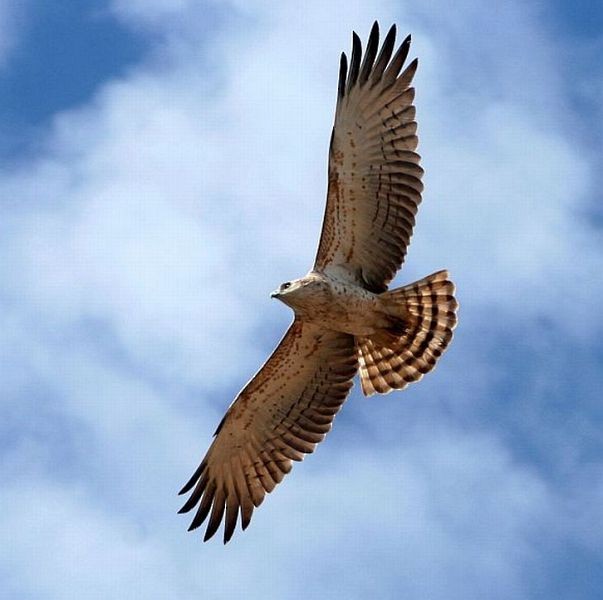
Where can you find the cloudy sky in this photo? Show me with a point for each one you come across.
(163, 169)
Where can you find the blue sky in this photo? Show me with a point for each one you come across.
(164, 166)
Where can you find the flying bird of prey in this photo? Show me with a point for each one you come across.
(345, 319)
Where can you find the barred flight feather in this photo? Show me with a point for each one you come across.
(428, 308)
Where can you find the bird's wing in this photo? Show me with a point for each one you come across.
(280, 416)
(374, 174)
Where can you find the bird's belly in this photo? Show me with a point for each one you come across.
(353, 313)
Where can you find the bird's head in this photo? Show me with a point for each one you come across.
(295, 292)
(288, 290)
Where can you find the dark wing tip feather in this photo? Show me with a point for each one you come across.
(215, 519)
(203, 510)
(247, 509)
(190, 503)
(370, 53)
(232, 512)
(385, 54)
(343, 74)
(392, 71)
(355, 60)
(410, 71)
(187, 487)
(196, 523)
(208, 535)
(195, 477)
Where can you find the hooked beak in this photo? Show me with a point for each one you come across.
(275, 294)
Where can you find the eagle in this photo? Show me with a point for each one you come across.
(346, 320)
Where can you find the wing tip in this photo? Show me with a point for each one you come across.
(353, 73)
(370, 53)
(354, 60)
(188, 505)
(193, 526)
(228, 533)
(343, 75)
(185, 489)
(194, 478)
(410, 71)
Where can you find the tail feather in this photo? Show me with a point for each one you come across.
(427, 309)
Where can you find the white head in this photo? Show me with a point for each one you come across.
(299, 293)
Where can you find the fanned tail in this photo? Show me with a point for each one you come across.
(396, 357)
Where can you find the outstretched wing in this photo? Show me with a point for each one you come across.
(280, 416)
(374, 174)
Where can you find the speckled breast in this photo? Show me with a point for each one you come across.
(347, 308)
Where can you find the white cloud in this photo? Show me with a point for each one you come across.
(67, 548)
(444, 516)
(153, 12)
(432, 519)
(138, 253)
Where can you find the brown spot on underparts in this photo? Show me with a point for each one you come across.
(313, 349)
(350, 253)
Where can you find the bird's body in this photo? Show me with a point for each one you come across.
(346, 319)
(335, 304)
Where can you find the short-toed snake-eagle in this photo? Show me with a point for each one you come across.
(346, 319)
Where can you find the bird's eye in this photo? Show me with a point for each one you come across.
(284, 286)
